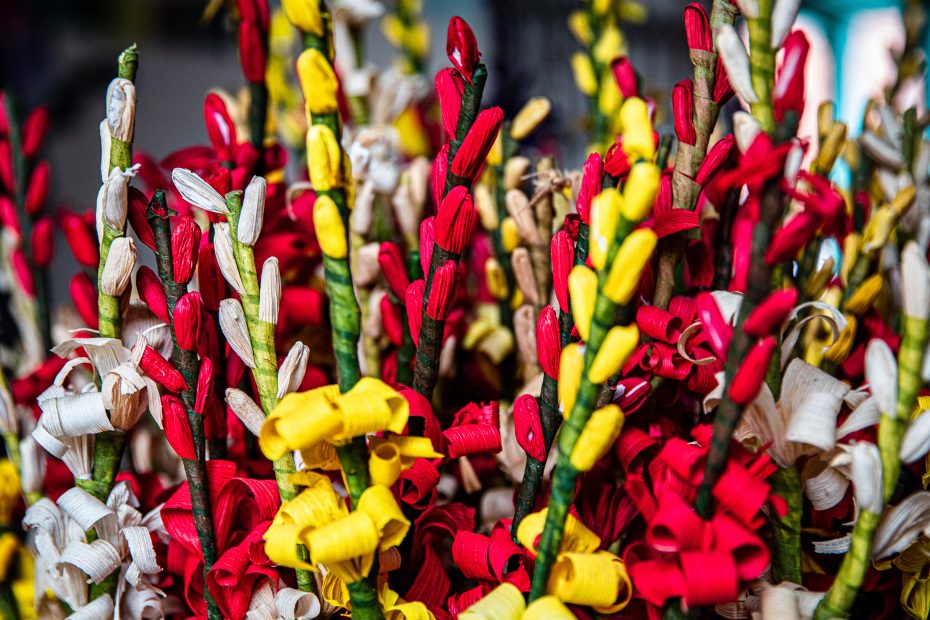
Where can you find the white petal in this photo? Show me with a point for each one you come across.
(736, 61)
(881, 371)
(916, 442)
(223, 248)
(783, 15)
(198, 192)
(915, 276)
(253, 212)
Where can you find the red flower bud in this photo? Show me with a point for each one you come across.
(177, 427)
(220, 127)
(187, 317)
(152, 293)
(427, 238)
(788, 94)
(138, 217)
(6, 166)
(301, 305)
(414, 299)
(592, 176)
(84, 296)
(209, 279)
(185, 241)
(438, 175)
(442, 292)
(35, 128)
(697, 28)
(461, 47)
(527, 427)
(205, 391)
(449, 87)
(616, 162)
(81, 240)
(161, 371)
(683, 108)
(625, 75)
(255, 10)
(751, 373)
(23, 272)
(791, 237)
(37, 189)
(392, 320)
(716, 159)
(43, 237)
(563, 260)
(548, 342)
(771, 313)
(8, 216)
(455, 220)
(473, 151)
(718, 331)
(723, 90)
(252, 51)
(391, 261)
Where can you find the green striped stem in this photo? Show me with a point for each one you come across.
(838, 601)
(565, 475)
(265, 372)
(891, 429)
(762, 66)
(786, 531)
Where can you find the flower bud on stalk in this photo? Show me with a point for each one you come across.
(325, 158)
(80, 240)
(548, 344)
(248, 412)
(625, 76)
(514, 172)
(449, 88)
(518, 206)
(525, 277)
(442, 292)
(221, 130)
(605, 214)
(138, 217)
(124, 396)
(697, 28)
(736, 60)
(427, 238)
(185, 245)
(118, 268)
(9, 218)
(198, 192)
(121, 109)
(113, 201)
(563, 259)
(84, 295)
(233, 324)
(748, 379)
(253, 212)
(160, 370)
(530, 116)
(474, 149)
(177, 427)
(683, 111)
(152, 293)
(391, 261)
(37, 189)
(35, 128)
(330, 230)
(270, 292)
(591, 180)
(42, 242)
(414, 300)
(293, 368)
(318, 82)
(455, 220)
(187, 317)
(252, 53)
(528, 427)
(225, 259)
(462, 47)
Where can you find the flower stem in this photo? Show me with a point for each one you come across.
(786, 531)
(838, 601)
(762, 65)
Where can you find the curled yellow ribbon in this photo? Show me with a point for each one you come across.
(505, 602)
(547, 608)
(597, 579)
(577, 537)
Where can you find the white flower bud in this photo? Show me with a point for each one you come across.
(198, 192)
(253, 212)
(121, 109)
(235, 328)
(269, 296)
(118, 268)
(293, 368)
(222, 247)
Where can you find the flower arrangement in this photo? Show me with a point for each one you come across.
(373, 352)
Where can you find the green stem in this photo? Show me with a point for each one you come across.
(839, 600)
(762, 66)
(786, 531)
(258, 116)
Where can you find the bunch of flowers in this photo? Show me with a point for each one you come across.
(362, 357)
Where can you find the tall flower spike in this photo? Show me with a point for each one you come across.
(697, 28)
(605, 214)
(253, 212)
(269, 298)
(455, 220)
(233, 324)
(185, 248)
(118, 268)
(442, 292)
(562, 252)
(548, 345)
(152, 293)
(683, 110)
(449, 87)
(736, 60)
(198, 192)
(474, 149)
(461, 47)
(187, 317)
(391, 261)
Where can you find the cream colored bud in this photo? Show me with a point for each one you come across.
(524, 328)
(293, 368)
(514, 170)
(245, 409)
(365, 267)
(125, 396)
(235, 328)
(104, 151)
(736, 61)
(518, 206)
(121, 109)
(484, 204)
(419, 172)
(253, 212)
(198, 192)
(223, 248)
(118, 268)
(269, 296)
(915, 275)
(529, 117)
(524, 275)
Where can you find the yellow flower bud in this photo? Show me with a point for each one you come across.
(416, 39)
(609, 45)
(582, 290)
(496, 154)
(571, 364)
(605, 213)
(879, 228)
(598, 435)
(860, 301)
(628, 265)
(547, 608)
(324, 157)
(609, 98)
(903, 200)
(318, 82)
(640, 190)
(852, 245)
(305, 15)
(393, 29)
(632, 12)
(330, 231)
(510, 234)
(497, 281)
(487, 210)
(840, 350)
(585, 78)
(617, 347)
(580, 27)
(529, 117)
(600, 7)
(638, 141)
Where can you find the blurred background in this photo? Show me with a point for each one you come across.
(62, 53)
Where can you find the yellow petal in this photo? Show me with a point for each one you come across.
(392, 525)
(505, 602)
(529, 117)
(582, 290)
(597, 579)
(305, 15)
(324, 157)
(597, 437)
(609, 45)
(628, 265)
(571, 365)
(577, 537)
(605, 213)
(638, 141)
(281, 540)
(352, 536)
(860, 301)
(617, 347)
(300, 420)
(371, 406)
(318, 82)
(330, 231)
(609, 98)
(640, 190)
(585, 78)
